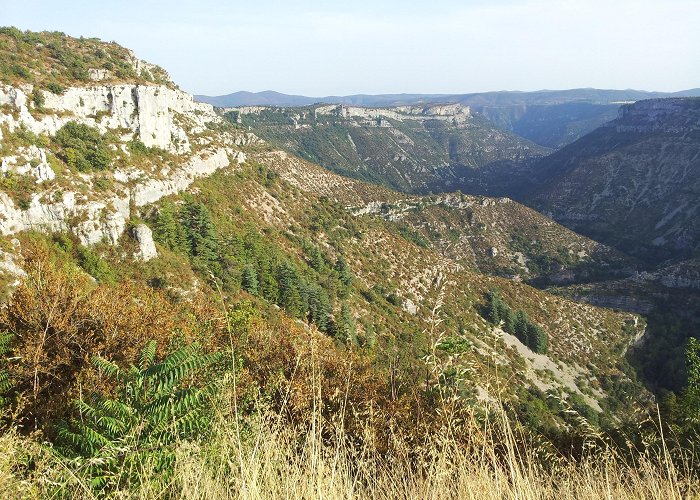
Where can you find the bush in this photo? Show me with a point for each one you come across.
(691, 394)
(38, 98)
(55, 88)
(95, 266)
(83, 147)
(156, 406)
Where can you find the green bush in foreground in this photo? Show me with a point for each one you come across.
(157, 405)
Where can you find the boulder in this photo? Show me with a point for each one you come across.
(144, 237)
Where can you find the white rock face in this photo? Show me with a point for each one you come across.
(154, 114)
(29, 160)
(144, 237)
(452, 113)
(409, 306)
(147, 110)
(199, 166)
(8, 265)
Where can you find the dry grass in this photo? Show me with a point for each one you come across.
(264, 458)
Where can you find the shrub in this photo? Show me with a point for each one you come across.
(95, 266)
(38, 98)
(5, 380)
(59, 318)
(156, 406)
(691, 394)
(55, 88)
(83, 147)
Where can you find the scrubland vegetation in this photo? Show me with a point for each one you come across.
(117, 390)
(298, 334)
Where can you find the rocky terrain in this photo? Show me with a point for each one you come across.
(410, 148)
(138, 183)
(157, 138)
(491, 235)
(550, 118)
(633, 183)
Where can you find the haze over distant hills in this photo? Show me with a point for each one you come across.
(500, 98)
(550, 118)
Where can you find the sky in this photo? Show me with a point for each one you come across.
(319, 48)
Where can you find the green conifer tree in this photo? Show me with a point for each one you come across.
(522, 323)
(288, 283)
(249, 280)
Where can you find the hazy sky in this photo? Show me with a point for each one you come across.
(355, 46)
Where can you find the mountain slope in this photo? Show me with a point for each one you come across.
(550, 118)
(143, 189)
(633, 183)
(409, 148)
(489, 235)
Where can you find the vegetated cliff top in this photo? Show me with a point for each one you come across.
(54, 60)
(88, 130)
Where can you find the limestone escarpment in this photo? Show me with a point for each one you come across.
(148, 111)
(413, 149)
(166, 120)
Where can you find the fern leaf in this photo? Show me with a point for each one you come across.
(148, 355)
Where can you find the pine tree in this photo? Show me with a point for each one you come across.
(493, 307)
(319, 308)
(509, 318)
(346, 331)
(537, 338)
(343, 270)
(168, 230)
(522, 323)
(201, 236)
(249, 280)
(289, 297)
(267, 281)
(314, 256)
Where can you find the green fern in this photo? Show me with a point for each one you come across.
(5, 381)
(157, 405)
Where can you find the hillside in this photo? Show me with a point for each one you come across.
(632, 183)
(491, 235)
(408, 148)
(669, 297)
(178, 293)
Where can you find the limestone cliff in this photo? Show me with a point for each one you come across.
(159, 117)
(413, 149)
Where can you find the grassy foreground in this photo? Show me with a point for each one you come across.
(260, 457)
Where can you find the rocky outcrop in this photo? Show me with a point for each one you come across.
(144, 238)
(199, 166)
(148, 111)
(653, 115)
(29, 160)
(156, 115)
